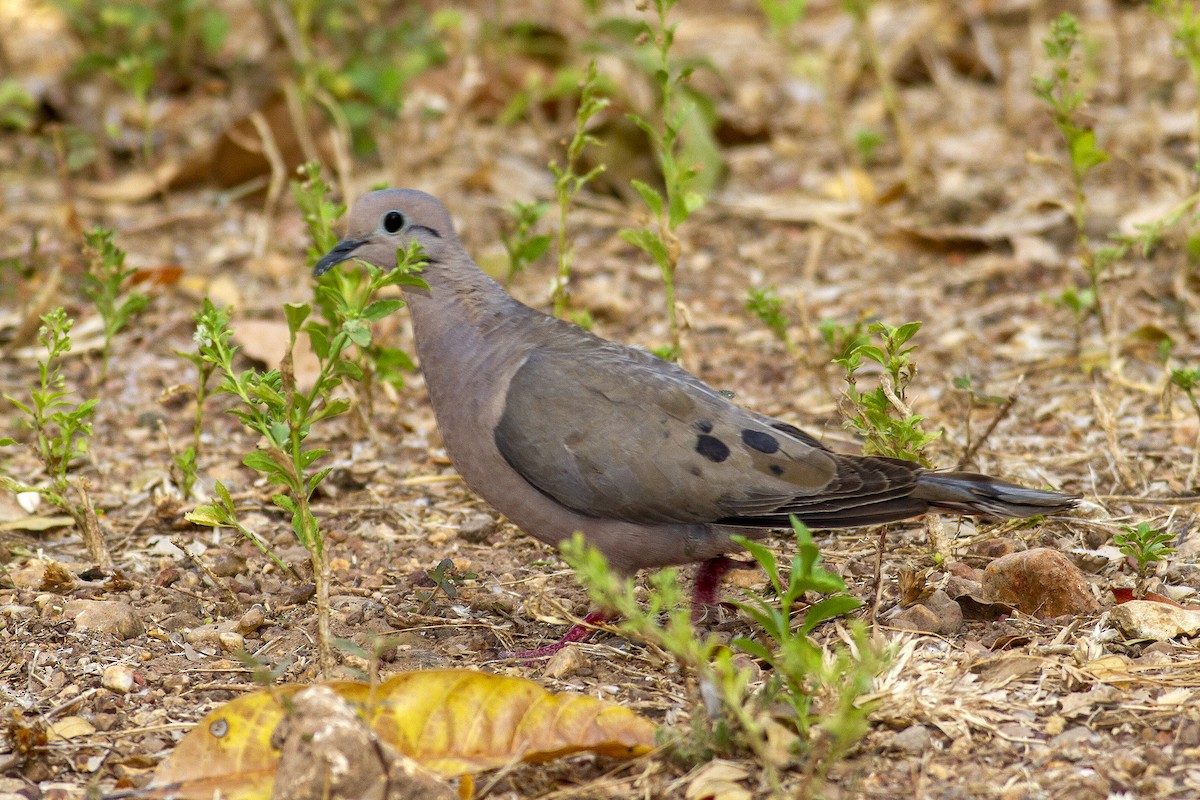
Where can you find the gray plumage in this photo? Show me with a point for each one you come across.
(562, 431)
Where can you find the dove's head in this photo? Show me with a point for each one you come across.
(383, 222)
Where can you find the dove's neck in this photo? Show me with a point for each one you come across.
(469, 337)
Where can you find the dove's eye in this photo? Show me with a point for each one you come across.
(393, 222)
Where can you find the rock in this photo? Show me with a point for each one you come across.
(106, 616)
(477, 528)
(917, 618)
(1146, 619)
(212, 636)
(948, 612)
(118, 678)
(913, 740)
(14, 611)
(564, 663)
(1040, 582)
(963, 570)
(252, 620)
(231, 641)
(996, 548)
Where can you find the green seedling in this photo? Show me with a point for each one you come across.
(62, 431)
(17, 107)
(735, 714)
(859, 11)
(799, 665)
(283, 414)
(660, 239)
(212, 324)
(841, 339)
(521, 244)
(376, 362)
(766, 304)
(179, 37)
(444, 577)
(1147, 546)
(103, 284)
(882, 415)
(356, 66)
(61, 428)
(568, 182)
(1062, 93)
(783, 15)
(1184, 20)
(1188, 380)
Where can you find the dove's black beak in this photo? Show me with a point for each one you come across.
(341, 251)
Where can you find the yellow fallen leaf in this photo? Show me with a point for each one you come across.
(452, 722)
(459, 721)
(70, 727)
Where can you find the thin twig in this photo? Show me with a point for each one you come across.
(208, 573)
(973, 447)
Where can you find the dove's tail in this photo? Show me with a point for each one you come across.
(910, 492)
(971, 493)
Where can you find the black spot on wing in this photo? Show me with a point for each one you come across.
(775, 469)
(794, 432)
(704, 426)
(760, 441)
(712, 448)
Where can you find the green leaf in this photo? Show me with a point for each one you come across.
(211, 516)
(349, 369)
(1085, 155)
(826, 609)
(260, 462)
(648, 241)
(296, 313)
(650, 195)
(381, 308)
(359, 333)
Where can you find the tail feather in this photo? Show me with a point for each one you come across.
(971, 493)
(918, 492)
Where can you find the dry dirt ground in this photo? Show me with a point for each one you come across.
(976, 243)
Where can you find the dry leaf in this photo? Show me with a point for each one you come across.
(450, 721)
(719, 780)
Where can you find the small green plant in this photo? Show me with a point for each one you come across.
(882, 415)
(444, 577)
(62, 431)
(842, 339)
(782, 15)
(799, 665)
(376, 362)
(568, 182)
(212, 329)
(660, 240)
(174, 37)
(356, 65)
(135, 73)
(859, 11)
(1188, 380)
(1184, 20)
(522, 245)
(821, 691)
(766, 304)
(103, 284)
(1146, 546)
(17, 107)
(273, 406)
(61, 428)
(1062, 93)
